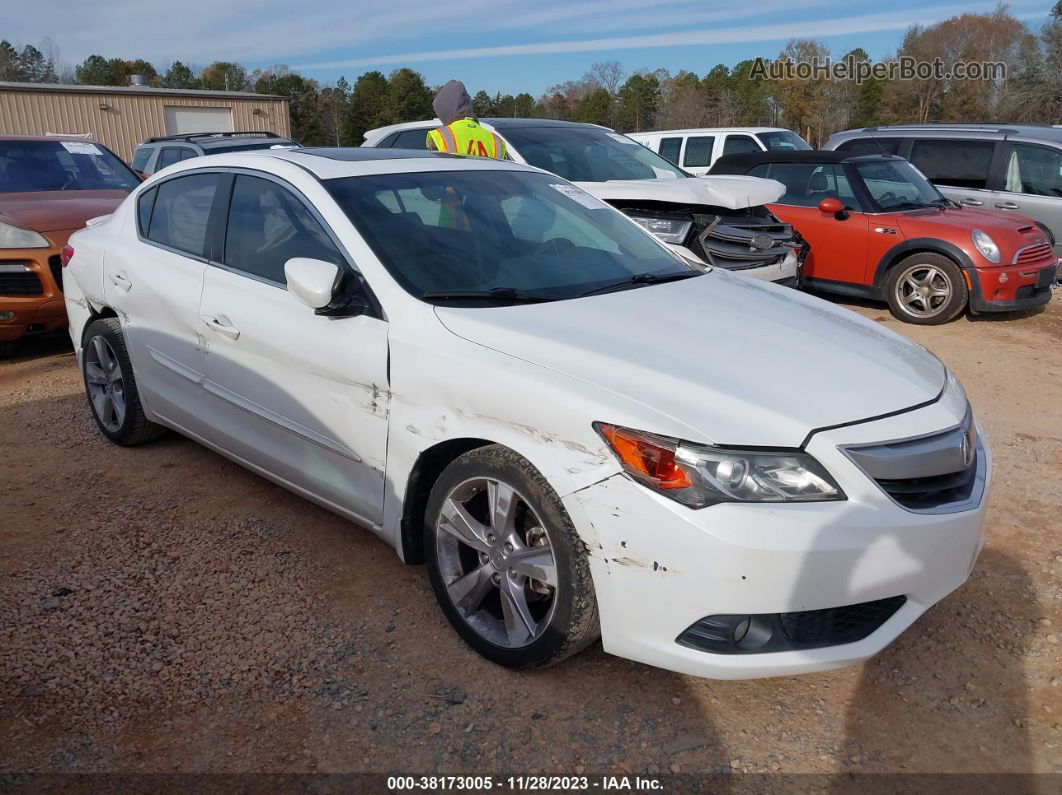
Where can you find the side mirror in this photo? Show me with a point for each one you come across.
(312, 281)
(832, 206)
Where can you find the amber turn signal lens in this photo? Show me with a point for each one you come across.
(646, 459)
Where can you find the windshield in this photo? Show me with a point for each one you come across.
(897, 185)
(523, 234)
(587, 154)
(783, 141)
(33, 166)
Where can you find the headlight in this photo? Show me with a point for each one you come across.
(16, 237)
(670, 230)
(986, 245)
(699, 476)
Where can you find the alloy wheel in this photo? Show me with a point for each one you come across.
(106, 386)
(496, 562)
(923, 290)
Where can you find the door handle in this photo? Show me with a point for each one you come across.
(973, 202)
(120, 281)
(221, 327)
(1007, 205)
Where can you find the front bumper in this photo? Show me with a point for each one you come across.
(1013, 288)
(784, 272)
(659, 567)
(42, 310)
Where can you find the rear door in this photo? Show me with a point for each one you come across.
(301, 396)
(670, 148)
(697, 157)
(155, 287)
(1031, 185)
(960, 167)
(838, 247)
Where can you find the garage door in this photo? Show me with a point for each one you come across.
(183, 120)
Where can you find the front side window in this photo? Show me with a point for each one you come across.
(807, 184)
(1035, 170)
(35, 166)
(896, 185)
(181, 213)
(699, 151)
(670, 149)
(588, 154)
(476, 231)
(960, 164)
(736, 144)
(783, 141)
(267, 226)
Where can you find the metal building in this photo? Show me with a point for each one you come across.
(120, 117)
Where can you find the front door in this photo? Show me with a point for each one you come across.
(838, 245)
(302, 396)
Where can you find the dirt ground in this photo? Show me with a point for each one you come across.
(163, 610)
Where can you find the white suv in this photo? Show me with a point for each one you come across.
(579, 431)
(721, 221)
(697, 149)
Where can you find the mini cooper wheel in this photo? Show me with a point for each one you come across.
(110, 385)
(926, 289)
(505, 562)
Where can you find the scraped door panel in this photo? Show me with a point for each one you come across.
(304, 397)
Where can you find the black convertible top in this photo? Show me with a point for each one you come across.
(742, 163)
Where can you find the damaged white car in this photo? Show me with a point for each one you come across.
(502, 376)
(721, 221)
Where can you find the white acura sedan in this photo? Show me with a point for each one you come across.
(580, 432)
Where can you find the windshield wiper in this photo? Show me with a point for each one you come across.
(493, 294)
(642, 278)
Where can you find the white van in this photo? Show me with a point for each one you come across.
(696, 150)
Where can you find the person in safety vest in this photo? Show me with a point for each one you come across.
(461, 133)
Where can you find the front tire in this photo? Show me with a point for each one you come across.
(111, 387)
(926, 289)
(506, 564)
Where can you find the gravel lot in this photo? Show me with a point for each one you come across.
(163, 610)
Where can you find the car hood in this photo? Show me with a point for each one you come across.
(48, 211)
(730, 192)
(1007, 227)
(738, 361)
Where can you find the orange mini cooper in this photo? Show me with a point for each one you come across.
(49, 187)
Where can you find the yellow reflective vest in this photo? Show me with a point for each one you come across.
(466, 137)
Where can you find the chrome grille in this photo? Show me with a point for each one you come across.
(1037, 252)
(939, 473)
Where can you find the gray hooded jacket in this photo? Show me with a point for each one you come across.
(453, 103)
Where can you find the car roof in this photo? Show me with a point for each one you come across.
(1045, 132)
(494, 122)
(738, 163)
(81, 138)
(338, 162)
(692, 130)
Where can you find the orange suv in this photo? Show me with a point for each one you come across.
(49, 187)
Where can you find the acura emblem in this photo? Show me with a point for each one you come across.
(762, 242)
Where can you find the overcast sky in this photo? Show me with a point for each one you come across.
(498, 45)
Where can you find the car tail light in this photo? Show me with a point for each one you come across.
(65, 253)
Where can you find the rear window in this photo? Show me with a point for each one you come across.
(699, 151)
(182, 211)
(411, 139)
(670, 148)
(36, 166)
(871, 146)
(960, 164)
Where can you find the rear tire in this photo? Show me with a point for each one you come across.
(507, 566)
(111, 387)
(926, 289)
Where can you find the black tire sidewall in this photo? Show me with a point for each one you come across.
(112, 333)
(501, 464)
(959, 291)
